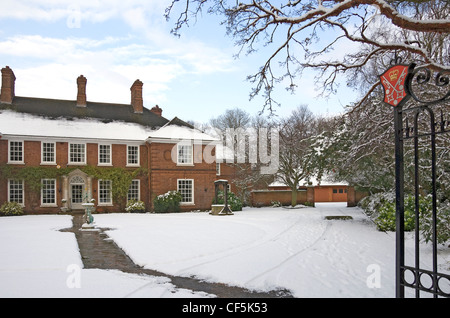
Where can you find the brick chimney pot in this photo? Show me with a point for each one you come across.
(136, 97)
(81, 95)
(157, 110)
(8, 85)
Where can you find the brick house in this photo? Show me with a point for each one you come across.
(59, 153)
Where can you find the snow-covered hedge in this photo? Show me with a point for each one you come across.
(380, 208)
(134, 206)
(11, 208)
(167, 202)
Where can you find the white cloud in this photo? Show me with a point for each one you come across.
(52, 10)
(47, 65)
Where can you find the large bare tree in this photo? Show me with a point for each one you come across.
(296, 153)
(302, 34)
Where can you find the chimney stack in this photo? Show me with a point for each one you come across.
(136, 97)
(81, 96)
(157, 110)
(8, 83)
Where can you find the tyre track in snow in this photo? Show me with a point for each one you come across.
(297, 226)
(288, 259)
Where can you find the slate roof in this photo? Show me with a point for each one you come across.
(104, 112)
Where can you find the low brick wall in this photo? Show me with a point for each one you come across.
(266, 197)
(354, 196)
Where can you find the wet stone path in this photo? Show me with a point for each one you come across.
(98, 251)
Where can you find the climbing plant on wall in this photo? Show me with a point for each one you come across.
(120, 177)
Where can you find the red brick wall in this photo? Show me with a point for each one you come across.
(32, 157)
(3, 151)
(3, 160)
(165, 173)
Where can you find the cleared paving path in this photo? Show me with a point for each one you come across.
(98, 251)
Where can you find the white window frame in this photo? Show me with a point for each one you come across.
(84, 157)
(192, 192)
(104, 203)
(54, 193)
(22, 154)
(42, 153)
(138, 154)
(138, 190)
(110, 155)
(23, 191)
(190, 155)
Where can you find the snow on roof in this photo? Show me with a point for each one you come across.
(23, 124)
(176, 132)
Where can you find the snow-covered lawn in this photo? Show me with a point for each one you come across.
(261, 249)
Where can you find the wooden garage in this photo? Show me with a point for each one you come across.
(325, 191)
(330, 193)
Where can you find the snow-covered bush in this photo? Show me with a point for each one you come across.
(373, 203)
(168, 202)
(380, 208)
(275, 204)
(11, 208)
(233, 201)
(442, 224)
(134, 206)
(386, 218)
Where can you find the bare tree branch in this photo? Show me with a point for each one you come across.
(418, 30)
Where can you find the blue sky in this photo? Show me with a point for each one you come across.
(49, 43)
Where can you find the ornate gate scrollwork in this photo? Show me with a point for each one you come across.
(421, 114)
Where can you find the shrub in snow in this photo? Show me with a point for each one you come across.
(275, 204)
(372, 204)
(385, 220)
(11, 208)
(442, 224)
(380, 208)
(233, 201)
(134, 206)
(167, 202)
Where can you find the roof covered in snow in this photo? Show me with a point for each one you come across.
(28, 125)
(175, 132)
(61, 119)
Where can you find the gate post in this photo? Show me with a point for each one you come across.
(395, 94)
(399, 203)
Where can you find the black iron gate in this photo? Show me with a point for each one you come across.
(421, 115)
